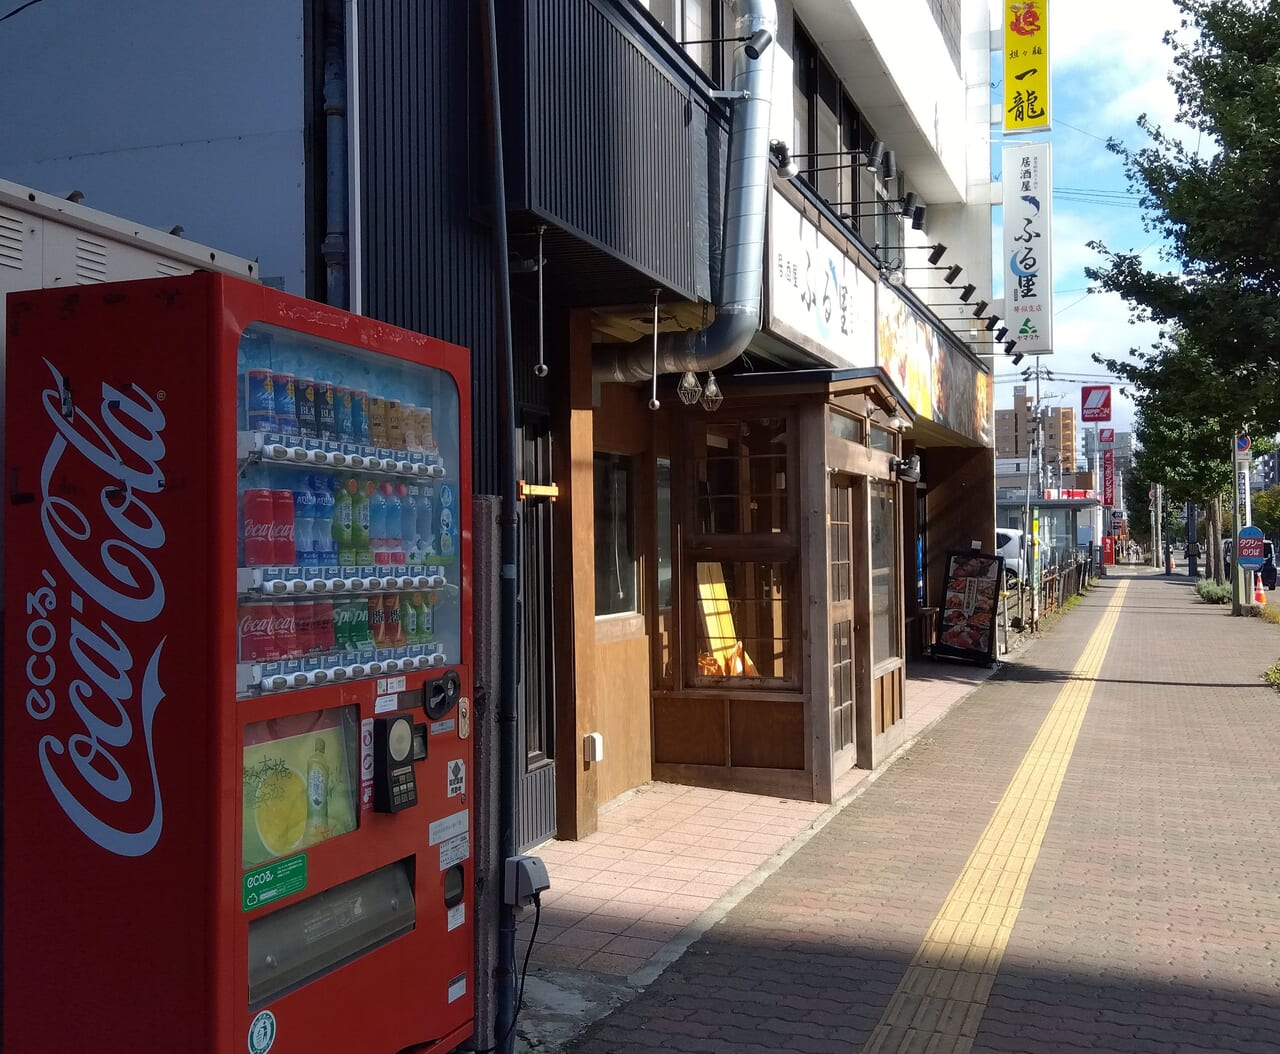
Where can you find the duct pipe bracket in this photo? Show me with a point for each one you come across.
(730, 96)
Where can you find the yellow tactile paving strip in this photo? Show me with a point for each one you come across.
(939, 1003)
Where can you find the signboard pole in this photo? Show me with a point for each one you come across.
(1236, 508)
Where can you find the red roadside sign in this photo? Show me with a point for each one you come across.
(1095, 403)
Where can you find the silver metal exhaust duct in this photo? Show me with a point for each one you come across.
(746, 200)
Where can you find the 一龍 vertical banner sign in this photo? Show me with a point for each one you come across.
(1028, 223)
(1025, 66)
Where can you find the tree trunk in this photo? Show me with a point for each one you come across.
(1215, 540)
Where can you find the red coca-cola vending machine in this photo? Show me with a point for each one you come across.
(237, 764)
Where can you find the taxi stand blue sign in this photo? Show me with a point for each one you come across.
(1249, 548)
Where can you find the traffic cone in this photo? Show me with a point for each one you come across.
(1259, 597)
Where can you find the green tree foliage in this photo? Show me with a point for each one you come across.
(1215, 208)
(1266, 511)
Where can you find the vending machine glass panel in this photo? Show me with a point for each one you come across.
(348, 511)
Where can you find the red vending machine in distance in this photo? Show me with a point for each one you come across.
(237, 755)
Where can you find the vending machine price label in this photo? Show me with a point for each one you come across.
(449, 827)
(264, 885)
(457, 988)
(457, 916)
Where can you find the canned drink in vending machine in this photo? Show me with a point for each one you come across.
(342, 418)
(256, 635)
(286, 403)
(284, 627)
(377, 622)
(409, 424)
(394, 624)
(257, 521)
(377, 408)
(360, 416)
(424, 430)
(304, 626)
(395, 425)
(283, 543)
(361, 635)
(322, 637)
(326, 412)
(260, 400)
(305, 403)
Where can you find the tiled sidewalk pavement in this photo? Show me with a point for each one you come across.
(665, 855)
(1151, 919)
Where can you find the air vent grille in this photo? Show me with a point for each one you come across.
(12, 242)
(91, 261)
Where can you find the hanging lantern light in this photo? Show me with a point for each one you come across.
(689, 389)
(712, 396)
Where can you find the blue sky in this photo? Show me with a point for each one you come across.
(1108, 66)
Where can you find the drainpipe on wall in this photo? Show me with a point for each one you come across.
(746, 201)
(334, 246)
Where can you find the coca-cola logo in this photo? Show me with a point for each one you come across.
(101, 568)
(251, 625)
(285, 623)
(280, 532)
(255, 529)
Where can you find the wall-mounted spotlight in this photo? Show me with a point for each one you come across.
(937, 252)
(892, 273)
(889, 167)
(1000, 333)
(787, 167)
(992, 322)
(907, 469)
(875, 156)
(910, 201)
(979, 308)
(1017, 358)
(1009, 345)
(917, 218)
(966, 294)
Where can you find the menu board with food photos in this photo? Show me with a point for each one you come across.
(969, 607)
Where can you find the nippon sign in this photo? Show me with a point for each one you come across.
(1095, 405)
(1106, 435)
(1027, 200)
(1108, 477)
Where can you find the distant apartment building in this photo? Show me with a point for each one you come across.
(1015, 435)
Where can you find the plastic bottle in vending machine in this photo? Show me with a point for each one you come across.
(326, 548)
(257, 518)
(304, 524)
(378, 524)
(395, 537)
(409, 522)
(426, 521)
(344, 522)
(283, 542)
(342, 414)
(360, 525)
(427, 621)
(361, 631)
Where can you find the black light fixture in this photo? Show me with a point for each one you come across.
(1017, 358)
(892, 273)
(1000, 333)
(871, 158)
(951, 275)
(755, 44)
(937, 253)
(889, 167)
(1009, 345)
(910, 201)
(875, 156)
(787, 167)
(966, 294)
(979, 308)
(992, 322)
(917, 218)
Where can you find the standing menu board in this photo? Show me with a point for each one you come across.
(970, 603)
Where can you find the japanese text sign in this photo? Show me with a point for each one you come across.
(1108, 477)
(818, 297)
(1026, 66)
(1028, 221)
(1095, 403)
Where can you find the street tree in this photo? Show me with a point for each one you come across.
(1213, 205)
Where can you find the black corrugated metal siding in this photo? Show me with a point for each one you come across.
(621, 147)
(427, 265)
